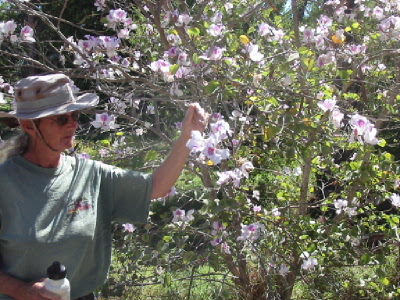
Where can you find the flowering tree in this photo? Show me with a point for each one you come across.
(289, 180)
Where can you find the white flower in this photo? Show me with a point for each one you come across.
(275, 212)
(2, 101)
(283, 270)
(309, 262)
(254, 54)
(245, 168)
(395, 198)
(340, 205)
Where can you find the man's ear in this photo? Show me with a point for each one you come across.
(28, 126)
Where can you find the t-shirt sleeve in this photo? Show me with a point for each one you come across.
(129, 194)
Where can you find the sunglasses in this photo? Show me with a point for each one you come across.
(62, 120)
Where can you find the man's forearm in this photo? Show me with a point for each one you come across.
(165, 176)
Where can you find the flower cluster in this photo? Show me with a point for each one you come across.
(118, 17)
(208, 147)
(342, 206)
(218, 232)
(235, 175)
(251, 232)
(7, 31)
(362, 129)
(179, 215)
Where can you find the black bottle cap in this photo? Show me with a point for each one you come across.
(56, 271)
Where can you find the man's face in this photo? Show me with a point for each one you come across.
(59, 130)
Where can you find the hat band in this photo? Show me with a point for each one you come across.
(27, 107)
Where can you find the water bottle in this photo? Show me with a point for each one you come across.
(57, 282)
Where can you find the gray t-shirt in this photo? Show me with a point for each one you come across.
(64, 214)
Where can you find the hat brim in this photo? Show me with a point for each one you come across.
(84, 101)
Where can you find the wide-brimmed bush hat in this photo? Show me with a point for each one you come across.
(47, 95)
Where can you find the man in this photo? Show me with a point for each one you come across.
(56, 207)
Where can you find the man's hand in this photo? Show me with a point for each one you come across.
(37, 291)
(195, 119)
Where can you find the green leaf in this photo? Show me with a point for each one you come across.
(380, 272)
(160, 245)
(145, 238)
(365, 258)
(214, 262)
(167, 238)
(151, 155)
(212, 87)
(173, 69)
(193, 32)
(195, 58)
(382, 143)
(189, 256)
(105, 143)
(167, 280)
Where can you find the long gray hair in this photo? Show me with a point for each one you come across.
(15, 145)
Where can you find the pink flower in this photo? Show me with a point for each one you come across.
(251, 232)
(160, 66)
(378, 13)
(216, 241)
(220, 129)
(228, 176)
(327, 105)
(128, 227)
(181, 215)
(183, 20)
(123, 33)
(363, 130)
(27, 34)
(105, 122)
(8, 27)
(256, 208)
(216, 29)
(264, 29)
(196, 143)
(308, 35)
(336, 118)
(183, 59)
(214, 53)
(213, 153)
(100, 4)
